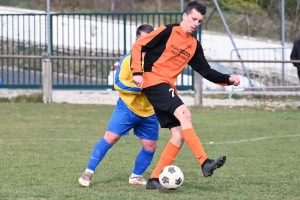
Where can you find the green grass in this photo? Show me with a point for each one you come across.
(44, 148)
(32, 98)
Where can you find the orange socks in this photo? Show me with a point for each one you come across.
(193, 141)
(167, 157)
(170, 152)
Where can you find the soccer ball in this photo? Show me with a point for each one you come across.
(171, 177)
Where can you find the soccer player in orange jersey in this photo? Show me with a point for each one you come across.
(169, 49)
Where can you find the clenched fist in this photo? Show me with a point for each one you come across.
(234, 80)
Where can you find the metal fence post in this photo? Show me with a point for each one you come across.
(198, 94)
(124, 33)
(47, 79)
(198, 79)
(282, 40)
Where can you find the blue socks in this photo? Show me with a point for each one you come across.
(142, 161)
(98, 154)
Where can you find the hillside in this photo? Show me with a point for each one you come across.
(252, 18)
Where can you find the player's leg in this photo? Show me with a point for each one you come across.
(98, 153)
(167, 157)
(142, 162)
(183, 114)
(170, 151)
(163, 98)
(118, 126)
(159, 97)
(147, 131)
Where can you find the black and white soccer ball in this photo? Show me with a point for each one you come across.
(171, 177)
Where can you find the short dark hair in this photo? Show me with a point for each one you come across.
(144, 28)
(199, 7)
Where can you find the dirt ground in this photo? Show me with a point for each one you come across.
(111, 97)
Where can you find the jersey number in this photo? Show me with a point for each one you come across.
(171, 89)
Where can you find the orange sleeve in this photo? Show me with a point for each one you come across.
(143, 45)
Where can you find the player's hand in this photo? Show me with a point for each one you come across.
(234, 80)
(138, 80)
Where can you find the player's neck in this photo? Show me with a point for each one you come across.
(184, 31)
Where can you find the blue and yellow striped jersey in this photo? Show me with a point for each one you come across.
(132, 96)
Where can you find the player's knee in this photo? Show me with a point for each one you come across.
(149, 145)
(183, 114)
(111, 137)
(188, 115)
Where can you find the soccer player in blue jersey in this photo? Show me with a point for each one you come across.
(133, 111)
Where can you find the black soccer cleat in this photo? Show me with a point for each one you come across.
(153, 184)
(209, 166)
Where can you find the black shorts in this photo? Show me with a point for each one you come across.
(164, 101)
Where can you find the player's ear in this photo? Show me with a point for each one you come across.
(183, 16)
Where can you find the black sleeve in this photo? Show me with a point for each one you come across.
(149, 43)
(161, 37)
(200, 65)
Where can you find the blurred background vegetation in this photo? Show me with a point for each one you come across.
(251, 18)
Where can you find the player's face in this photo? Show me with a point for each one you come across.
(191, 21)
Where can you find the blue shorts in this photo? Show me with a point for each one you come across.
(123, 119)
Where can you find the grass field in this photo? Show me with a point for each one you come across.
(45, 148)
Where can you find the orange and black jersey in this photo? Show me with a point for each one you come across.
(168, 50)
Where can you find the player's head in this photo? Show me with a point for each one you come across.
(192, 16)
(143, 30)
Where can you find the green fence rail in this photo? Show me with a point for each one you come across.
(74, 39)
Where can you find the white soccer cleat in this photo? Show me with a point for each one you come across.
(139, 180)
(85, 179)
